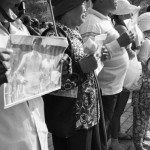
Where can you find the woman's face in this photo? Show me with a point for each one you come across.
(77, 15)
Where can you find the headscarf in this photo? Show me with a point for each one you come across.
(63, 6)
(144, 21)
(124, 7)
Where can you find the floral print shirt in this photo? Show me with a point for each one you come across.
(142, 97)
(87, 105)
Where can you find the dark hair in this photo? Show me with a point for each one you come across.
(58, 18)
(117, 20)
(148, 9)
(93, 1)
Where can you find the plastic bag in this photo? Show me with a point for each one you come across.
(133, 79)
(93, 45)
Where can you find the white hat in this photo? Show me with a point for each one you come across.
(144, 21)
(124, 7)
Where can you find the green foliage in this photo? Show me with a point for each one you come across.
(36, 9)
(138, 2)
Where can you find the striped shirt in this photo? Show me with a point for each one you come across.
(112, 76)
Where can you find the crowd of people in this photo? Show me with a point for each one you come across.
(88, 116)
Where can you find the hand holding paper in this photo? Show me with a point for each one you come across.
(94, 45)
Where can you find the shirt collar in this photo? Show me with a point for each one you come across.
(98, 14)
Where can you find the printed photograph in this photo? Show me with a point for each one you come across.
(35, 68)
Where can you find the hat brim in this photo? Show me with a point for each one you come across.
(124, 10)
(66, 6)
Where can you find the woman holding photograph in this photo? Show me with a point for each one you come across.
(73, 119)
(22, 127)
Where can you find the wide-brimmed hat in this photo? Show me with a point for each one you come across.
(124, 7)
(144, 21)
(63, 6)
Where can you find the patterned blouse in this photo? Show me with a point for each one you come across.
(87, 104)
(142, 97)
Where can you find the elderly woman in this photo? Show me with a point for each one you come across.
(72, 115)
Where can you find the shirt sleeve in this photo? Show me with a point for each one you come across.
(90, 31)
(144, 53)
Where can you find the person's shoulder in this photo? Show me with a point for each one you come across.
(92, 19)
(92, 24)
